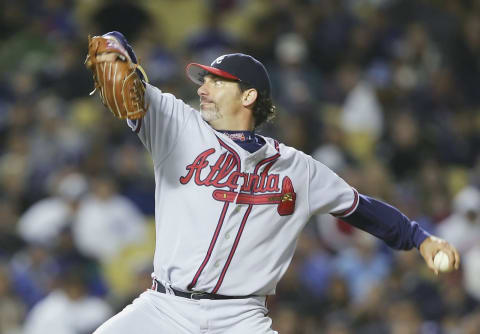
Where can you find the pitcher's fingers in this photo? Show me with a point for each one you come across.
(452, 255)
(429, 259)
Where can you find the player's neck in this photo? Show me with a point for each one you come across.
(233, 124)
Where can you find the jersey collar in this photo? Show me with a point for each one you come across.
(239, 136)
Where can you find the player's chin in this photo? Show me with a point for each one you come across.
(209, 114)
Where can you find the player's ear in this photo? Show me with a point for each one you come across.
(249, 96)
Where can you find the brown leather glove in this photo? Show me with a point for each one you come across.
(116, 77)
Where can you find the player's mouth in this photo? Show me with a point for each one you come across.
(205, 103)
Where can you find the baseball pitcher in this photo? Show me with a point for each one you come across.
(229, 203)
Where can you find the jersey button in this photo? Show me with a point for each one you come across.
(236, 209)
(227, 235)
(217, 264)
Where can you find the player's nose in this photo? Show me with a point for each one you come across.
(202, 90)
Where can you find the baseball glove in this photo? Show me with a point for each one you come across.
(116, 77)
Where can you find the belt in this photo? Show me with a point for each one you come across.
(157, 286)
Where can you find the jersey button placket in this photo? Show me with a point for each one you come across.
(248, 163)
(224, 244)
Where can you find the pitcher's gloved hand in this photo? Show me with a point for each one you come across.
(118, 78)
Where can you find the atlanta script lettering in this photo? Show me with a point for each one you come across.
(224, 173)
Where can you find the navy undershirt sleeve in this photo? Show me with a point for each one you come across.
(387, 223)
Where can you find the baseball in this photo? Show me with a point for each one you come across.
(441, 261)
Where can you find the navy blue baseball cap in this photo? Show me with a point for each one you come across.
(235, 66)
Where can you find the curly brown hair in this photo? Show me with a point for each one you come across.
(263, 109)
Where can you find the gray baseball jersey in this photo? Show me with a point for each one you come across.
(227, 220)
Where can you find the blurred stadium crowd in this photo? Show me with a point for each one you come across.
(384, 92)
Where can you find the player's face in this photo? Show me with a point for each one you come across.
(220, 101)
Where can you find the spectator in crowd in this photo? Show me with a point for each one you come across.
(10, 241)
(462, 227)
(43, 222)
(12, 310)
(33, 271)
(107, 222)
(471, 270)
(68, 309)
(362, 266)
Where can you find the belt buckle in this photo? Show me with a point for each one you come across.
(196, 295)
